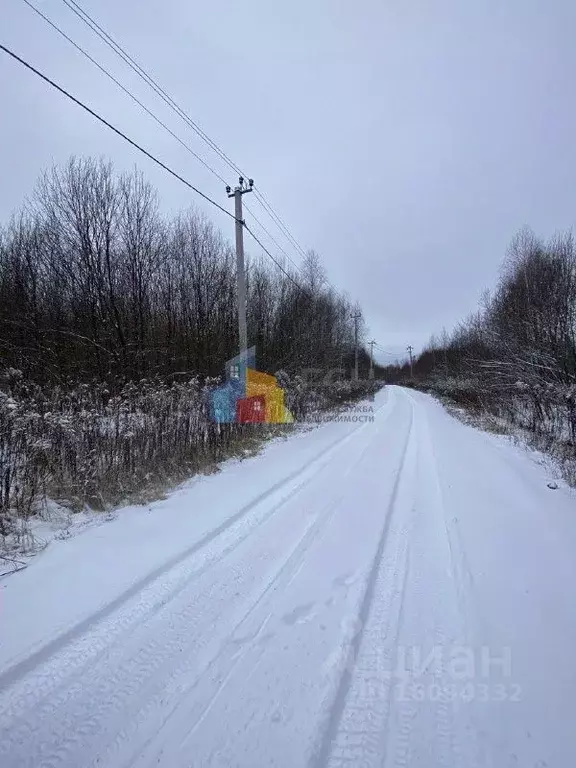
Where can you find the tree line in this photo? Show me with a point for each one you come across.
(115, 321)
(95, 282)
(516, 355)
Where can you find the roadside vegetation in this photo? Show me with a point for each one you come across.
(511, 366)
(115, 321)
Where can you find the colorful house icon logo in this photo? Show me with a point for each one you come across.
(248, 396)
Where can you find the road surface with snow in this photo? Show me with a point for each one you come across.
(390, 593)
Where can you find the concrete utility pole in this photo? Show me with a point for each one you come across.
(371, 374)
(410, 348)
(356, 316)
(240, 190)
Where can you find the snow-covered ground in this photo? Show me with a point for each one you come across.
(389, 593)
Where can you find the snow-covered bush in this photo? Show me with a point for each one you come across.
(305, 398)
(83, 445)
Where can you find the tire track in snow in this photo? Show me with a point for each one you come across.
(188, 717)
(414, 721)
(127, 677)
(352, 734)
(191, 705)
(21, 669)
(141, 672)
(92, 646)
(434, 622)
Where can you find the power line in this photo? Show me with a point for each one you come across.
(151, 82)
(122, 53)
(272, 213)
(113, 128)
(280, 267)
(385, 352)
(276, 243)
(111, 77)
(155, 117)
(133, 64)
(123, 88)
(148, 79)
(145, 152)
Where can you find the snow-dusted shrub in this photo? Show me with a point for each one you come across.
(94, 444)
(84, 445)
(305, 398)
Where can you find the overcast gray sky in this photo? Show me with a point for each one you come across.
(405, 140)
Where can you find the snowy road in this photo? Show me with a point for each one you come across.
(394, 593)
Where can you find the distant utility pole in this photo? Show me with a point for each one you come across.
(371, 374)
(410, 348)
(240, 190)
(356, 316)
